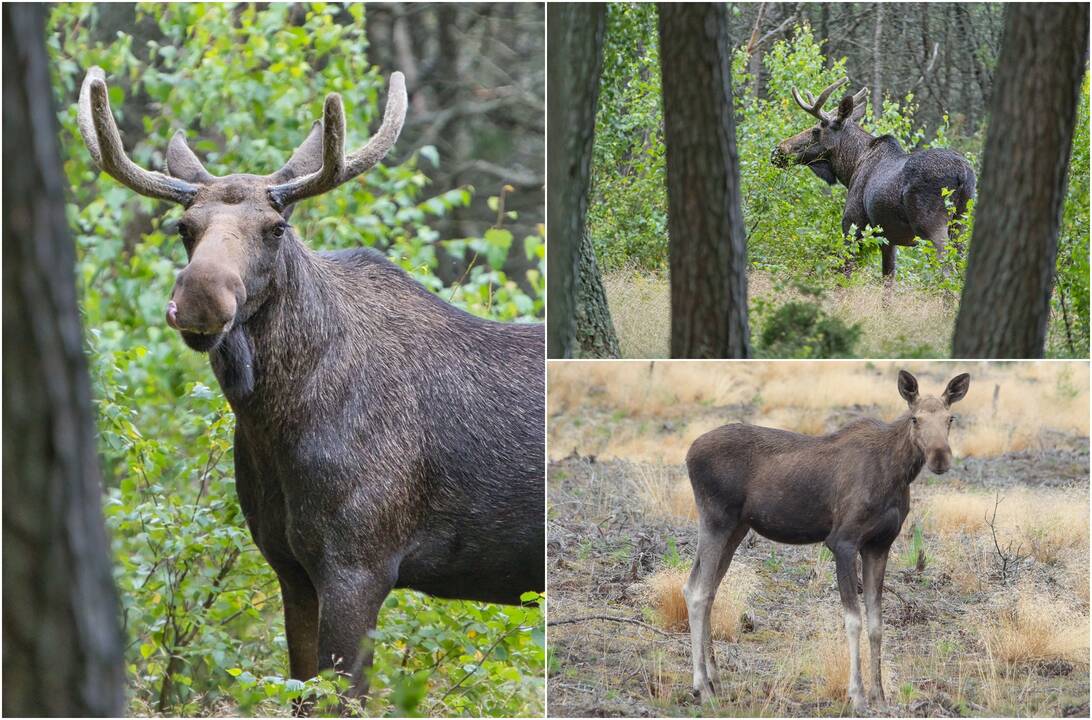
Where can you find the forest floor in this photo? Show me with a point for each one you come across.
(970, 628)
(917, 322)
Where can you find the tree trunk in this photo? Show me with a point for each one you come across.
(877, 67)
(576, 44)
(62, 641)
(708, 253)
(595, 334)
(1010, 270)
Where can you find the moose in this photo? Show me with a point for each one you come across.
(384, 439)
(849, 490)
(888, 188)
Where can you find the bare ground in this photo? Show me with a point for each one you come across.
(615, 526)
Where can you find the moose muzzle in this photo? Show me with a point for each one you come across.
(203, 304)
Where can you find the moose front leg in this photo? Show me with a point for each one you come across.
(301, 630)
(350, 599)
(874, 565)
(845, 555)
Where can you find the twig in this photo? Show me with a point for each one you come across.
(612, 618)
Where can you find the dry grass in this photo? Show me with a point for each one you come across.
(1043, 523)
(665, 492)
(669, 605)
(1036, 628)
(832, 666)
(916, 320)
(1011, 407)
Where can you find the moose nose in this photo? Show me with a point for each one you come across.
(778, 157)
(205, 299)
(940, 463)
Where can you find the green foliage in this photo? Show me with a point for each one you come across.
(1070, 301)
(201, 608)
(802, 329)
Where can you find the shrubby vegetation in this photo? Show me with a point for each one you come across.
(792, 219)
(201, 607)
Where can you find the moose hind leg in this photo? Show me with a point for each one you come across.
(875, 563)
(845, 555)
(730, 546)
(714, 543)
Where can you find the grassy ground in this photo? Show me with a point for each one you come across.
(971, 627)
(916, 322)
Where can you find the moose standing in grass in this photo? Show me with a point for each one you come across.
(900, 193)
(849, 490)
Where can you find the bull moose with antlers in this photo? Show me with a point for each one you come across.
(383, 437)
(898, 192)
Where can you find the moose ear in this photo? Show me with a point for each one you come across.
(957, 388)
(182, 163)
(908, 387)
(845, 108)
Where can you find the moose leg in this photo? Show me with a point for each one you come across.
(717, 542)
(707, 627)
(887, 252)
(301, 629)
(350, 602)
(875, 563)
(845, 555)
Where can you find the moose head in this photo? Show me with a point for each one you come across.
(234, 226)
(931, 418)
(817, 146)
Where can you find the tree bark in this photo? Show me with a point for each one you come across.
(1010, 271)
(595, 336)
(62, 640)
(877, 67)
(707, 245)
(576, 45)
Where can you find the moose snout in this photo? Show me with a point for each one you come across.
(778, 157)
(205, 300)
(939, 462)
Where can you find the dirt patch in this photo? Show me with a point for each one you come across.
(615, 533)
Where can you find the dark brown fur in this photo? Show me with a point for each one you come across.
(849, 490)
(890, 189)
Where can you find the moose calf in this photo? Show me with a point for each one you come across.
(849, 490)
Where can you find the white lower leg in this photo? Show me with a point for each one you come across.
(695, 609)
(875, 641)
(853, 637)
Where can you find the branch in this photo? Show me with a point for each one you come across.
(612, 618)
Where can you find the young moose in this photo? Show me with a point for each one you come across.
(898, 192)
(383, 438)
(849, 490)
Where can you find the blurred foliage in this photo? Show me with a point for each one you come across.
(202, 609)
(792, 219)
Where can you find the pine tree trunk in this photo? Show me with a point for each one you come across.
(708, 254)
(595, 336)
(62, 642)
(1010, 270)
(576, 46)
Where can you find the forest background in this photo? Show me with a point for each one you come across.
(931, 63)
(458, 204)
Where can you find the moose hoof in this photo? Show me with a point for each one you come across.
(860, 707)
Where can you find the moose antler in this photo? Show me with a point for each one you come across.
(100, 134)
(337, 167)
(814, 106)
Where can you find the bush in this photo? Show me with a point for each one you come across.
(201, 608)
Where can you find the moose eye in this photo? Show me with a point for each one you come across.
(913, 421)
(278, 231)
(186, 235)
(951, 419)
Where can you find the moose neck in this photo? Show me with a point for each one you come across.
(906, 457)
(848, 154)
(282, 343)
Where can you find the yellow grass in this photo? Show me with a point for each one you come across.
(665, 492)
(832, 666)
(1042, 523)
(669, 605)
(654, 410)
(1036, 627)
